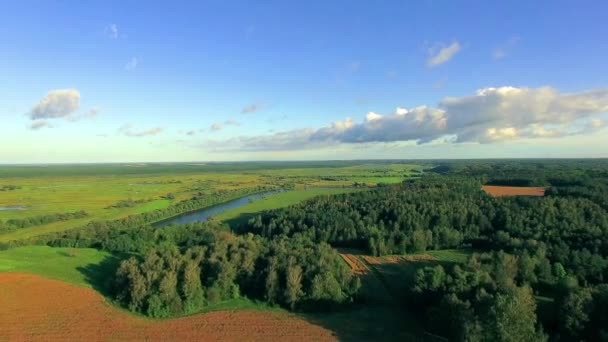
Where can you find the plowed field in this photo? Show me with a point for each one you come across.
(499, 191)
(36, 308)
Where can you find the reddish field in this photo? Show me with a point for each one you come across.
(35, 308)
(355, 264)
(500, 191)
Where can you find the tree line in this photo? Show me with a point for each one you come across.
(13, 224)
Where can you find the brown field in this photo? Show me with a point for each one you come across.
(501, 191)
(355, 264)
(35, 308)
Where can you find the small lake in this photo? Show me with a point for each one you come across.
(204, 214)
(17, 207)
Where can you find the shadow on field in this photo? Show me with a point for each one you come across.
(100, 275)
(369, 323)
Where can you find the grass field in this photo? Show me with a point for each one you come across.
(55, 189)
(78, 266)
(279, 200)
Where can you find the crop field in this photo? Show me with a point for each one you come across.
(502, 191)
(39, 308)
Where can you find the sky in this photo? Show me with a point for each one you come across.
(128, 81)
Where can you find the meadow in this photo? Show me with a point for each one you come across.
(114, 191)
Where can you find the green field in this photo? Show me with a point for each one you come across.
(97, 189)
(279, 200)
(79, 266)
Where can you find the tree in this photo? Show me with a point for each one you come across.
(293, 286)
(272, 282)
(512, 317)
(192, 289)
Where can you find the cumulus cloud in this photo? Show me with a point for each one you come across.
(216, 127)
(112, 31)
(132, 64)
(440, 53)
(39, 125)
(490, 115)
(59, 103)
(252, 108)
(232, 123)
(130, 132)
(505, 48)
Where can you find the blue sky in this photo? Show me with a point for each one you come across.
(260, 80)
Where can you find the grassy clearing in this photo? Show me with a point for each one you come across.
(79, 266)
(458, 256)
(279, 200)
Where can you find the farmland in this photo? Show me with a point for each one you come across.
(501, 191)
(38, 308)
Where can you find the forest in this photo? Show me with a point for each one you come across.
(554, 246)
(538, 266)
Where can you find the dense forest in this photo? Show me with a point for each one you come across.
(554, 246)
(524, 249)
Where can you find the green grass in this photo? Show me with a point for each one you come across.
(458, 256)
(79, 266)
(279, 200)
(55, 189)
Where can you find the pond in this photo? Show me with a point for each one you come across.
(204, 214)
(17, 207)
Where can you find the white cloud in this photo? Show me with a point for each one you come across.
(440, 53)
(112, 31)
(132, 64)
(130, 132)
(59, 103)
(505, 48)
(36, 125)
(491, 115)
(252, 108)
(216, 127)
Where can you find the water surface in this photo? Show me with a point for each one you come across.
(204, 214)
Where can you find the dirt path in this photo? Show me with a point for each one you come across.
(36, 308)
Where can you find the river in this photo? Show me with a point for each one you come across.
(204, 214)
